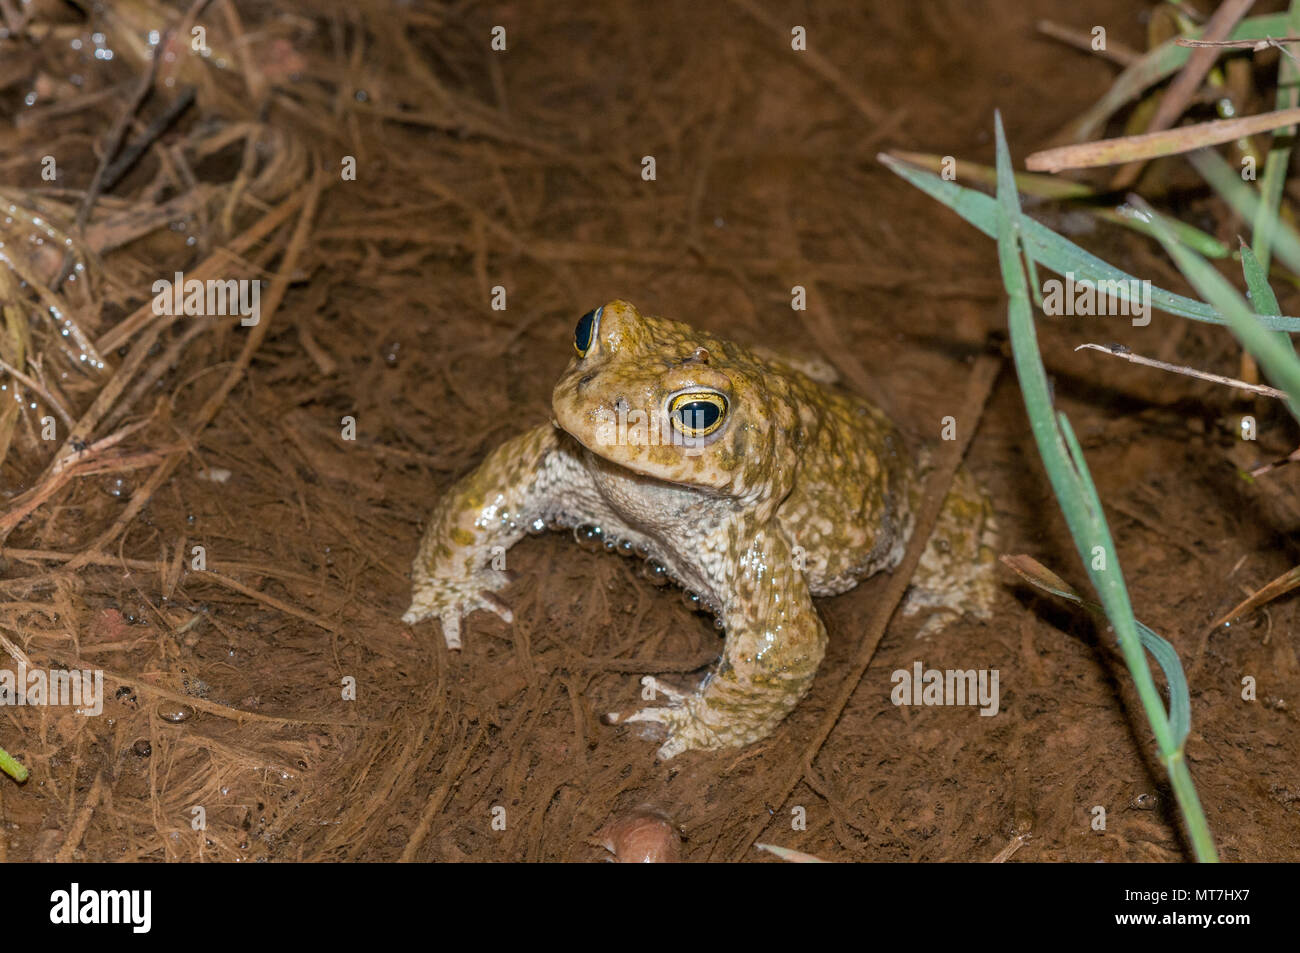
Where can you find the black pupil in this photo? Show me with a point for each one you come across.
(582, 335)
(699, 414)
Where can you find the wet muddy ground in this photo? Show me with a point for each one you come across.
(225, 687)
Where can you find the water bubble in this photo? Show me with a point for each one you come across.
(174, 712)
(142, 749)
(537, 527)
(656, 572)
(692, 599)
(590, 538)
(119, 488)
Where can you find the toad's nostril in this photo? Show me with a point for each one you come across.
(586, 379)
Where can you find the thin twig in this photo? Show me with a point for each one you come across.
(36, 386)
(138, 146)
(1155, 145)
(1116, 350)
(58, 473)
(823, 67)
(979, 386)
(1292, 457)
(279, 286)
(1272, 590)
(1184, 86)
(1083, 40)
(145, 687)
(111, 146)
(68, 849)
(1252, 45)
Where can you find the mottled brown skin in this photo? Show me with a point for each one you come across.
(800, 491)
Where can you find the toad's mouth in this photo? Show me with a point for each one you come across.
(657, 461)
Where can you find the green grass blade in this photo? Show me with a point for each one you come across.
(1245, 201)
(1056, 253)
(1067, 471)
(1162, 62)
(12, 767)
(1180, 699)
(1279, 155)
(1278, 361)
(1180, 707)
(1180, 702)
(1076, 194)
(1261, 294)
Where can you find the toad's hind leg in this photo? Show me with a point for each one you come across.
(775, 642)
(956, 574)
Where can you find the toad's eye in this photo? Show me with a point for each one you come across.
(697, 413)
(585, 332)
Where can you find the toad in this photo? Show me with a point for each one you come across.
(733, 474)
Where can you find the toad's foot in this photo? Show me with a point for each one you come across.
(685, 730)
(720, 714)
(451, 600)
(677, 702)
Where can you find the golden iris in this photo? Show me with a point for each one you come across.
(697, 413)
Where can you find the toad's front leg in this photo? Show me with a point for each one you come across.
(489, 508)
(775, 641)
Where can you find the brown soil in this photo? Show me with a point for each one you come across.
(522, 169)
